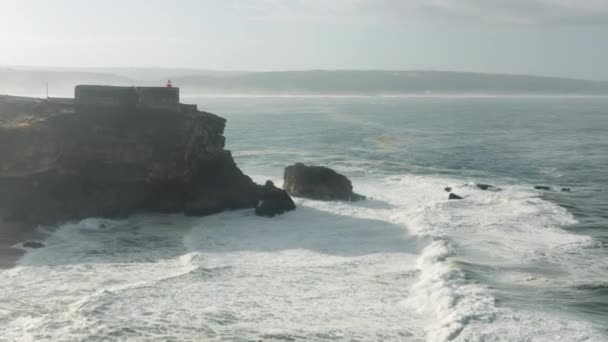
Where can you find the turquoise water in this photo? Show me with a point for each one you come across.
(518, 264)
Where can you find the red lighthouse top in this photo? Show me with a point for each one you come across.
(169, 84)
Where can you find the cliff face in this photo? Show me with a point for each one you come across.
(59, 163)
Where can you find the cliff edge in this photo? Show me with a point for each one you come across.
(61, 161)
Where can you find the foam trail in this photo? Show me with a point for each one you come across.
(443, 293)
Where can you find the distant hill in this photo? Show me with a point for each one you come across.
(388, 82)
(162, 74)
(28, 81)
(61, 83)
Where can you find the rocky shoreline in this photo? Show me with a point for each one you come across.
(63, 162)
(60, 162)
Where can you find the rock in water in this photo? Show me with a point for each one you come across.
(274, 201)
(318, 182)
(542, 187)
(454, 197)
(33, 244)
(447, 189)
(487, 187)
(566, 190)
(63, 162)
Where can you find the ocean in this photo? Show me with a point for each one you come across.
(511, 263)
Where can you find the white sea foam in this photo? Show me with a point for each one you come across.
(390, 268)
(443, 294)
(496, 228)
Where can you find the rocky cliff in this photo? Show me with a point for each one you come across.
(59, 163)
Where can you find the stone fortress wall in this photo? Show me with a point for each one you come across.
(143, 98)
(158, 98)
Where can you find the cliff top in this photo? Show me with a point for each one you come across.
(20, 111)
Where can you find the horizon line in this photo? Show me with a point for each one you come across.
(93, 68)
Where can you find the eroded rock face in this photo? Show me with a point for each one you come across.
(274, 201)
(57, 163)
(318, 182)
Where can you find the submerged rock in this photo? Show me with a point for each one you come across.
(33, 244)
(62, 162)
(487, 187)
(542, 187)
(318, 182)
(454, 197)
(274, 201)
(566, 189)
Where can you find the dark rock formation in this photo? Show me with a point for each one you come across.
(318, 182)
(487, 187)
(542, 187)
(33, 244)
(61, 163)
(454, 197)
(566, 190)
(448, 189)
(274, 201)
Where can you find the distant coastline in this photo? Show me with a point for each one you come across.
(314, 83)
(388, 96)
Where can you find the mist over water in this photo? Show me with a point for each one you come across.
(406, 265)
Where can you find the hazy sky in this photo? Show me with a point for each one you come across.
(547, 37)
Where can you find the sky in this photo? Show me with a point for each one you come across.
(541, 37)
